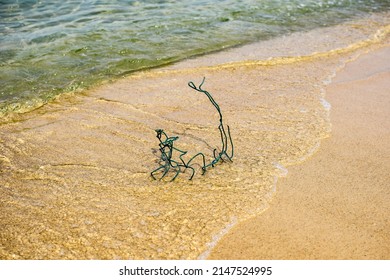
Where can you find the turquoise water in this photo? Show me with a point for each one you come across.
(51, 47)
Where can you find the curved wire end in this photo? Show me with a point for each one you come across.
(201, 84)
(192, 85)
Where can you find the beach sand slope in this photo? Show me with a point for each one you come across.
(335, 205)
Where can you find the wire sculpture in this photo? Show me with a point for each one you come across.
(224, 137)
(167, 146)
(166, 161)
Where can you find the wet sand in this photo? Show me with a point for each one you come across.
(335, 205)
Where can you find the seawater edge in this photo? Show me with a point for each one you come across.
(50, 48)
(321, 209)
(358, 40)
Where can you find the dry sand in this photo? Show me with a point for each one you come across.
(337, 204)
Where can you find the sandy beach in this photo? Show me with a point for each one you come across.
(336, 204)
(75, 174)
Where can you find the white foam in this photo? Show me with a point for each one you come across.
(325, 104)
(217, 238)
(282, 170)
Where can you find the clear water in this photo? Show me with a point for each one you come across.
(51, 47)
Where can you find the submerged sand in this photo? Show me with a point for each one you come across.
(335, 205)
(75, 174)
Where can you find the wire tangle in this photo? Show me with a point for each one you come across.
(167, 149)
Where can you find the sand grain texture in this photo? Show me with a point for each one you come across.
(335, 205)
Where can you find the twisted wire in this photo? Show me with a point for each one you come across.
(167, 148)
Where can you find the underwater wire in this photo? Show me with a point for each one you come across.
(167, 146)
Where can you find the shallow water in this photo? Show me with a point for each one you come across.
(75, 174)
(83, 171)
(50, 47)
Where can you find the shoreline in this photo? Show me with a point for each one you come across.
(267, 52)
(336, 204)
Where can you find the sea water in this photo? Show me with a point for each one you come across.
(50, 47)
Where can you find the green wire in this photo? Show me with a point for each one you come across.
(167, 146)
